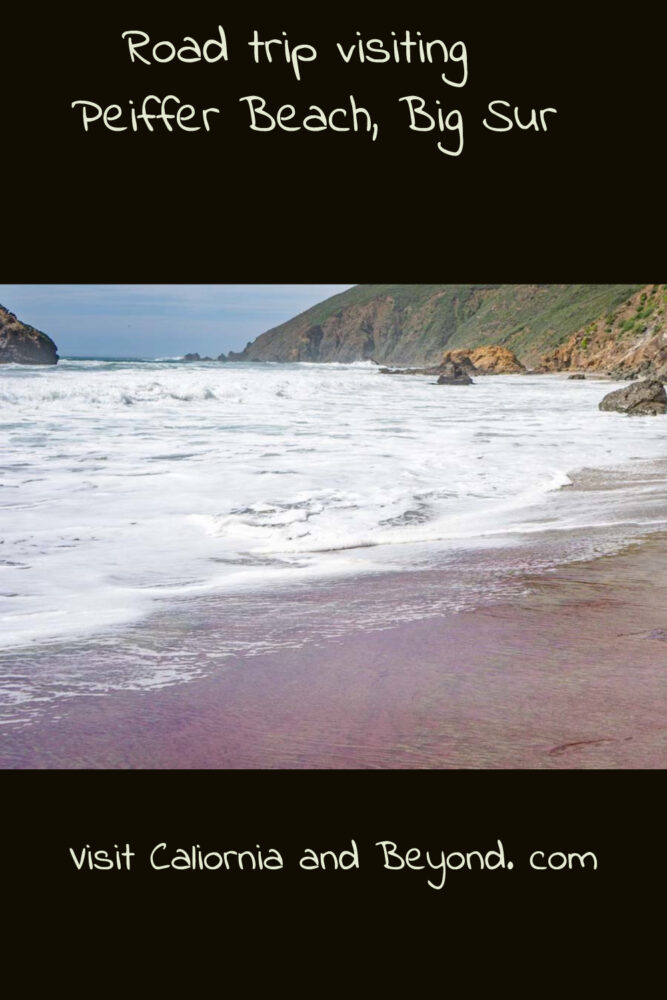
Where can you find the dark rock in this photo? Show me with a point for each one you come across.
(453, 374)
(222, 357)
(21, 344)
(450, 373)
(577, 375)
(466, 365)
(643, 398)
(192, 357)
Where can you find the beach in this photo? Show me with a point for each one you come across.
(569, 673)
(319, 566)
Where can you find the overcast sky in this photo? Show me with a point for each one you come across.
(157, 320)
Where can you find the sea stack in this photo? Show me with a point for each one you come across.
(453, 374)
(21, 344)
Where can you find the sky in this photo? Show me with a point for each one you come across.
(157, 320)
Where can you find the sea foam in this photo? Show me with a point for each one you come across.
(126, 485)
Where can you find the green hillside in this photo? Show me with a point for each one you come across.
(413, 324)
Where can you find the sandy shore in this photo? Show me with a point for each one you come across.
(571, 675)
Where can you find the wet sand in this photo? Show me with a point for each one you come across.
(570, 675)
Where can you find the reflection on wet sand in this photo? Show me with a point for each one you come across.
(568, 671)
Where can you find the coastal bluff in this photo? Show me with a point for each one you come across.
(414, 325)
(628, 341)
(21, 344)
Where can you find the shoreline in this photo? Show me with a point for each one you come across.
(568, 675)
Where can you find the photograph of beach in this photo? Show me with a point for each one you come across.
(333, 526)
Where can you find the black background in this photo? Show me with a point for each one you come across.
(579, 203)
(585, 202)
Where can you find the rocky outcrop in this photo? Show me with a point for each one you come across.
(627, 342)
(489, 359)
(642, 398)
(453, 374)
(243, 355)
(21, 344)
(402, 325)
(197, 357)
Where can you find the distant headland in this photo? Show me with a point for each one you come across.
(21, 344)
(619, 330)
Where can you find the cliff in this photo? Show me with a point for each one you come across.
(22, 344)
(628, 341)
(415, 324)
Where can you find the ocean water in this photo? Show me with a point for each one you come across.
(129, 489)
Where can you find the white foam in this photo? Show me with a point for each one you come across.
(124, 484)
